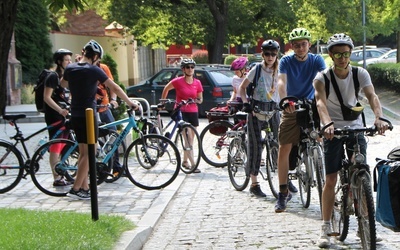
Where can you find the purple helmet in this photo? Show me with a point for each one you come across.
(239, 63)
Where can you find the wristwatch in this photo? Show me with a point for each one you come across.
(113, 99)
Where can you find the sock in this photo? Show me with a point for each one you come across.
(283, 188)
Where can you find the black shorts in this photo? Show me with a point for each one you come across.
(191, 117)
(78, 124)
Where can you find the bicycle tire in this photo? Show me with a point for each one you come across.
(217, 145)
(304, 178)
(11, 167)
(162, 157)
(237, 164)
(193, 150)
(366, 219)
(340, 218)
(41, 170)
(271, 165)
(319, 172)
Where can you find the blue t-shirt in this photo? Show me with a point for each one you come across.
(82, 81)
(300, 75)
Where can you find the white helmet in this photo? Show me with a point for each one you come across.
(340, 39)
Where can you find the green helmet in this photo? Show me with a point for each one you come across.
(299, 33)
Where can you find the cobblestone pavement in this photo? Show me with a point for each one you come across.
(207, 213)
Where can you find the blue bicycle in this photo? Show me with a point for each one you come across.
(150, 162)
(187, 139)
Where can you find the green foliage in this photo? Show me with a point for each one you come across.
(200, 56)
(119, 112)
(386, 75)
(27, 95)
(33, 46)
(31, 229)
(229, 59)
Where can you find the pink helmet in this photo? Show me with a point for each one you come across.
(239, 63)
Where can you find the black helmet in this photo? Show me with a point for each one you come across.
(187, 61)
(59, 55)
(339, 39)
(270, 45)
(95, 46)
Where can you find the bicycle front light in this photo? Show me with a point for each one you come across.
(359, 158)
(314, 135)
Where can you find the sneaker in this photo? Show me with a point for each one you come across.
(256, 191)
(282, 201)
(324, 240)
(81, 195)
(61, 183)
(292, 188)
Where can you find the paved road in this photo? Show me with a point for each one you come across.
(207, 213)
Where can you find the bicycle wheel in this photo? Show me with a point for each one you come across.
(340, 217)
(161, 158)
(271, 165)
(237, 161)
(46, 166)
(365, 211)
(305, 180)
(187, 141)
(319, 171)
(11, 167)
(215, 143)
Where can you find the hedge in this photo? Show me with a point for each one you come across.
(386, 75)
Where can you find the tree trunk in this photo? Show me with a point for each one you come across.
(8, 14)
(219, 10)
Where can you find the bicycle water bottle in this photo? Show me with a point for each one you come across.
(109, 143)
(42, 141)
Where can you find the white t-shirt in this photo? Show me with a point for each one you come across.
(236, 81)
(264, 85)
(346, 88)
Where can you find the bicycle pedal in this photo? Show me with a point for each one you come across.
(292, 176)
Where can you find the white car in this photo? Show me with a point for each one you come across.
(388, 57)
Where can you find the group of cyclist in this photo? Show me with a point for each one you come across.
(300, 74)
(305, 76)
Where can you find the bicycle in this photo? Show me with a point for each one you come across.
(238, 171)
(310, 165)
(187, 139)
(215, 133)
(14, 163)
(150, 162)
(353, 193)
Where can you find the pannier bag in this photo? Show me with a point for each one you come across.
(388, 194)
(218, 113)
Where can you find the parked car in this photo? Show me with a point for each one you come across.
(388, 57)
(216, 81)
(357, 55)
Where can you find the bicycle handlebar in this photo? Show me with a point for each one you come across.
(346, 131)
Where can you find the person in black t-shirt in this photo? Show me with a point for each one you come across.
(53, 95)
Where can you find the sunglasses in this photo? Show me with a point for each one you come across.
(270, 54)
(189, 67)
(339, 55)
(299, 45)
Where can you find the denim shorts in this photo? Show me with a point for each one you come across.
(334, 149)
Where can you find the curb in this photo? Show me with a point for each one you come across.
(135, 239)
(386, 111)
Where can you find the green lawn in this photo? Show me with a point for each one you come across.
(32, 229)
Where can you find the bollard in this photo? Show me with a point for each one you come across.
(91, 141)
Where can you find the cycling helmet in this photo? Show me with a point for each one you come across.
(339, 39)
(187, 61)
(299, 33)
(59, 55)
(95, 46)
(239, 63)
(270, 45)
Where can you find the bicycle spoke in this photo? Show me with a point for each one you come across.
(11, 167)
(237, 161)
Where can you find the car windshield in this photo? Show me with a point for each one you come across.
(222, 77)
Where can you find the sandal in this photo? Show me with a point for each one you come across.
(61, 182)
(185, 164)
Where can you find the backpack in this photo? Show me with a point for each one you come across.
(250, 88)
(39, 89)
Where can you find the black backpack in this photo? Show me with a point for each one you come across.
(250, 88)
(39, 89)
